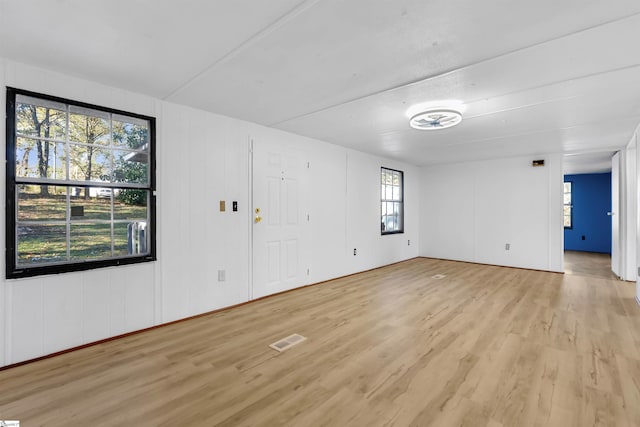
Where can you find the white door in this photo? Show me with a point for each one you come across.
(615, 215)
(280, 218)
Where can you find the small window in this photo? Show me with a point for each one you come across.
(391, 201)
(80, 186)
(568, 207)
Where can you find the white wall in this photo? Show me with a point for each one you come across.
(469, 211)
(631, 212)
(636, 277)
(618, 209)
(201, 158)
(624, 244)
(373, 248)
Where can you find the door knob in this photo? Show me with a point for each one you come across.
(258, 218)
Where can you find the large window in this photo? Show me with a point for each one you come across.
(568, 207)
(80, 186)
(391, 201)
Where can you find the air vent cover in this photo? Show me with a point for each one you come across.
(288, 342)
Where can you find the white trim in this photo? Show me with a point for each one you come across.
(77, 183)
(250, 218)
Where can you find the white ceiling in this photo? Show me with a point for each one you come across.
(539, 77)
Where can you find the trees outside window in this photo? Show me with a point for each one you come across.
(80, 182)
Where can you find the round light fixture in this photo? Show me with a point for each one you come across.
(436, 118)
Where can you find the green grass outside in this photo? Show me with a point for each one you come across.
(42, 243)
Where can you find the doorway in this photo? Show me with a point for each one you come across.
(588, 223)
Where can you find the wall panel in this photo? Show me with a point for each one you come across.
(471, 211)
(202, 158)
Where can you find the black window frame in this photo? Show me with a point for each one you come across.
(13, 270)
(570, 227)
(383, 200)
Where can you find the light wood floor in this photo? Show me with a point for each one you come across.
(588, 264)
(484, 346)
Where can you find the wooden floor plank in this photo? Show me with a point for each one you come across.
(483, 346)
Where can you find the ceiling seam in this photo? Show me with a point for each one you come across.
(453, 70)
(551, 153)
(586, 152)
(555, 82)
(629, 117)
(560, 99)
(526, 133)
(279, 22)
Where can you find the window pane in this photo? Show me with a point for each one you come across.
(385, 223)
(89, 126)
(130, 204)
(40, 159)
(388, 178)
(398, 213)
(396, 193)
(567, 221)
(131, 167)
(390, 210)
(567, 210)
(567, 198)
(41, 121)
(88, 163)
(390, 223)
(131, 238)
(41, 203)
(39, 244)
(120, 239)
(91, 203)
(567, 187)
(389, 193)
(90, 241)
(130, 133)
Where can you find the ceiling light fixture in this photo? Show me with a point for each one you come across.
(436, 118)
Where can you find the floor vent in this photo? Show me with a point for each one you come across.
(439, 276)
(288, 342)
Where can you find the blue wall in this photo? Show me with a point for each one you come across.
(591, 203)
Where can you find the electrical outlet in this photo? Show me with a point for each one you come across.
(507, 246)
(222, 275)
(355, 252)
